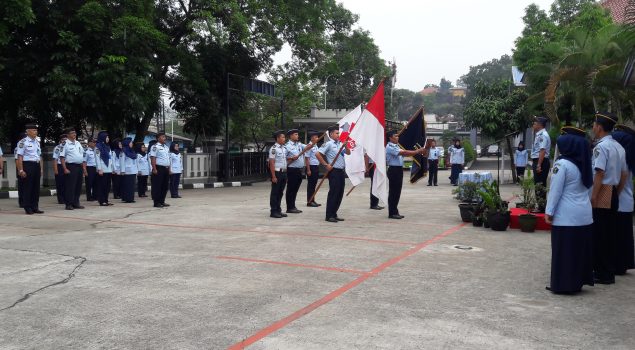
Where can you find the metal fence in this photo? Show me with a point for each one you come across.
(243, 166)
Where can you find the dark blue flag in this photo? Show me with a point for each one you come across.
(413, 137)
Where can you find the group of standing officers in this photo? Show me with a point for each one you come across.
(287, 160)
(105, 164)
(589, 203)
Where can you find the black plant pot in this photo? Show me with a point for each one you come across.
(477, 222)
(466, 209)
(527, 222)
(498, 221)
(521, 205)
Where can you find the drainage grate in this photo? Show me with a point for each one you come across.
(462, 247)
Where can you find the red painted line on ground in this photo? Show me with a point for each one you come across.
(274, 327)
(222, 229)
(357, 272)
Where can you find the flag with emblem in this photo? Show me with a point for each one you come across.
(369, 133)
(355, 166)
(413, 137)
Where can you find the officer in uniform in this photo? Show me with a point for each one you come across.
(17, 173)
(72, 159)
(457, 161)
(58, 170)
(295, 164)
(540, 155)
(433, 164)
(278, 170)
(160, 162)
(394, 161)
(625, 255)
(90, 170)
(370, 171)
(609, 175)
(29, 165)
(312, 169)
(332, 152)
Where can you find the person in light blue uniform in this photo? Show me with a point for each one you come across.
(457, 161)
(29, 166)
(72, 159)
(332, 152)
(116, 147)
(129, 171)
(540, 155)
(394, 161)
(370, 171)
(625, 255)
(58, 170)
(17, 172)
(160, 178)
(433, 164)
(278, 169)
(104, 161)
(570, 214)
(520, 159)
(144, 169)
(90, 170)
(295, 165)
(312, 169)
(610, 173)
(176, 168)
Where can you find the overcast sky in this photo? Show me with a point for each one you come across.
(431, 39)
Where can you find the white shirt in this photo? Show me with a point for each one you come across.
(161, 153)
(610, 157)
(176, 164)
(89, 157)
(143, 165)
(279, 154)
(29, 149)
(73, 152)
(568, 201)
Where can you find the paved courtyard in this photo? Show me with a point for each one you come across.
(213, 271)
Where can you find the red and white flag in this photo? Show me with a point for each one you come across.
(355, 166)
(369, 133)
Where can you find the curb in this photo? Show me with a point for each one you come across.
(50, 193)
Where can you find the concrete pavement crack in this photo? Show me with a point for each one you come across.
(81, 259)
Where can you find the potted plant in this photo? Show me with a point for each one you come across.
(467, 193)
(527, 222)
(527, 195)
(541, 200)
(477, 215)
(497, 211)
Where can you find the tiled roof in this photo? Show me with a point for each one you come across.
(617, 8)
(429, 91)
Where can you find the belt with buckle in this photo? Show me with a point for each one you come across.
(281, 170)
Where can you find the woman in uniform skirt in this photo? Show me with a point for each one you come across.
(143, 165)
(570, 214)
(176, 168)
(624, 259)
(129, 170)
(116, 148)
(104, 160)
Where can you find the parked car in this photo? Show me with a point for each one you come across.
(493, 150)
(478, 151)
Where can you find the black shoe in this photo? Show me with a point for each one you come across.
(401, 216)
(331, 220)
(312, 204)
(165, 204)
(436, 185)
(158, 206)
(395, 217)
(78, 207)
(38, 211)
(176, 197)
(69, 207)
(276, 215)
(129, 201)
(109, 204)
(294, 211)
(284, 215)
(604, 281)
(60, 202)
(115, 197)
(429, 185)
(28, 211)
(103, 204)
(377, 207)
(338, 218)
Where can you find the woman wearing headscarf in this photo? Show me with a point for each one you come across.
(116, 154)
(104, 160)
(570, 214)
(521, 159)
(143, 165)
(129, 170)
(625, 257)
(176, 168)
(457, 161)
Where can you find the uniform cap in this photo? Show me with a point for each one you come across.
(313, 133)
(605, 117)
(160, 133)
(30, 126)
(542, 120)
(333, 128)
(389, 133)
(624, 128)
(572, 130)
(277, 133)
(293, 131)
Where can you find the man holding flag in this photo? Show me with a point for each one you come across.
(394, 158)
(331, 155)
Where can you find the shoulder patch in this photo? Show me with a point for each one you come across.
(21, 144)
(154, 148)
(556, 169)
(540, 139)
(596, 153)
(273, 150)
(97, 151)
